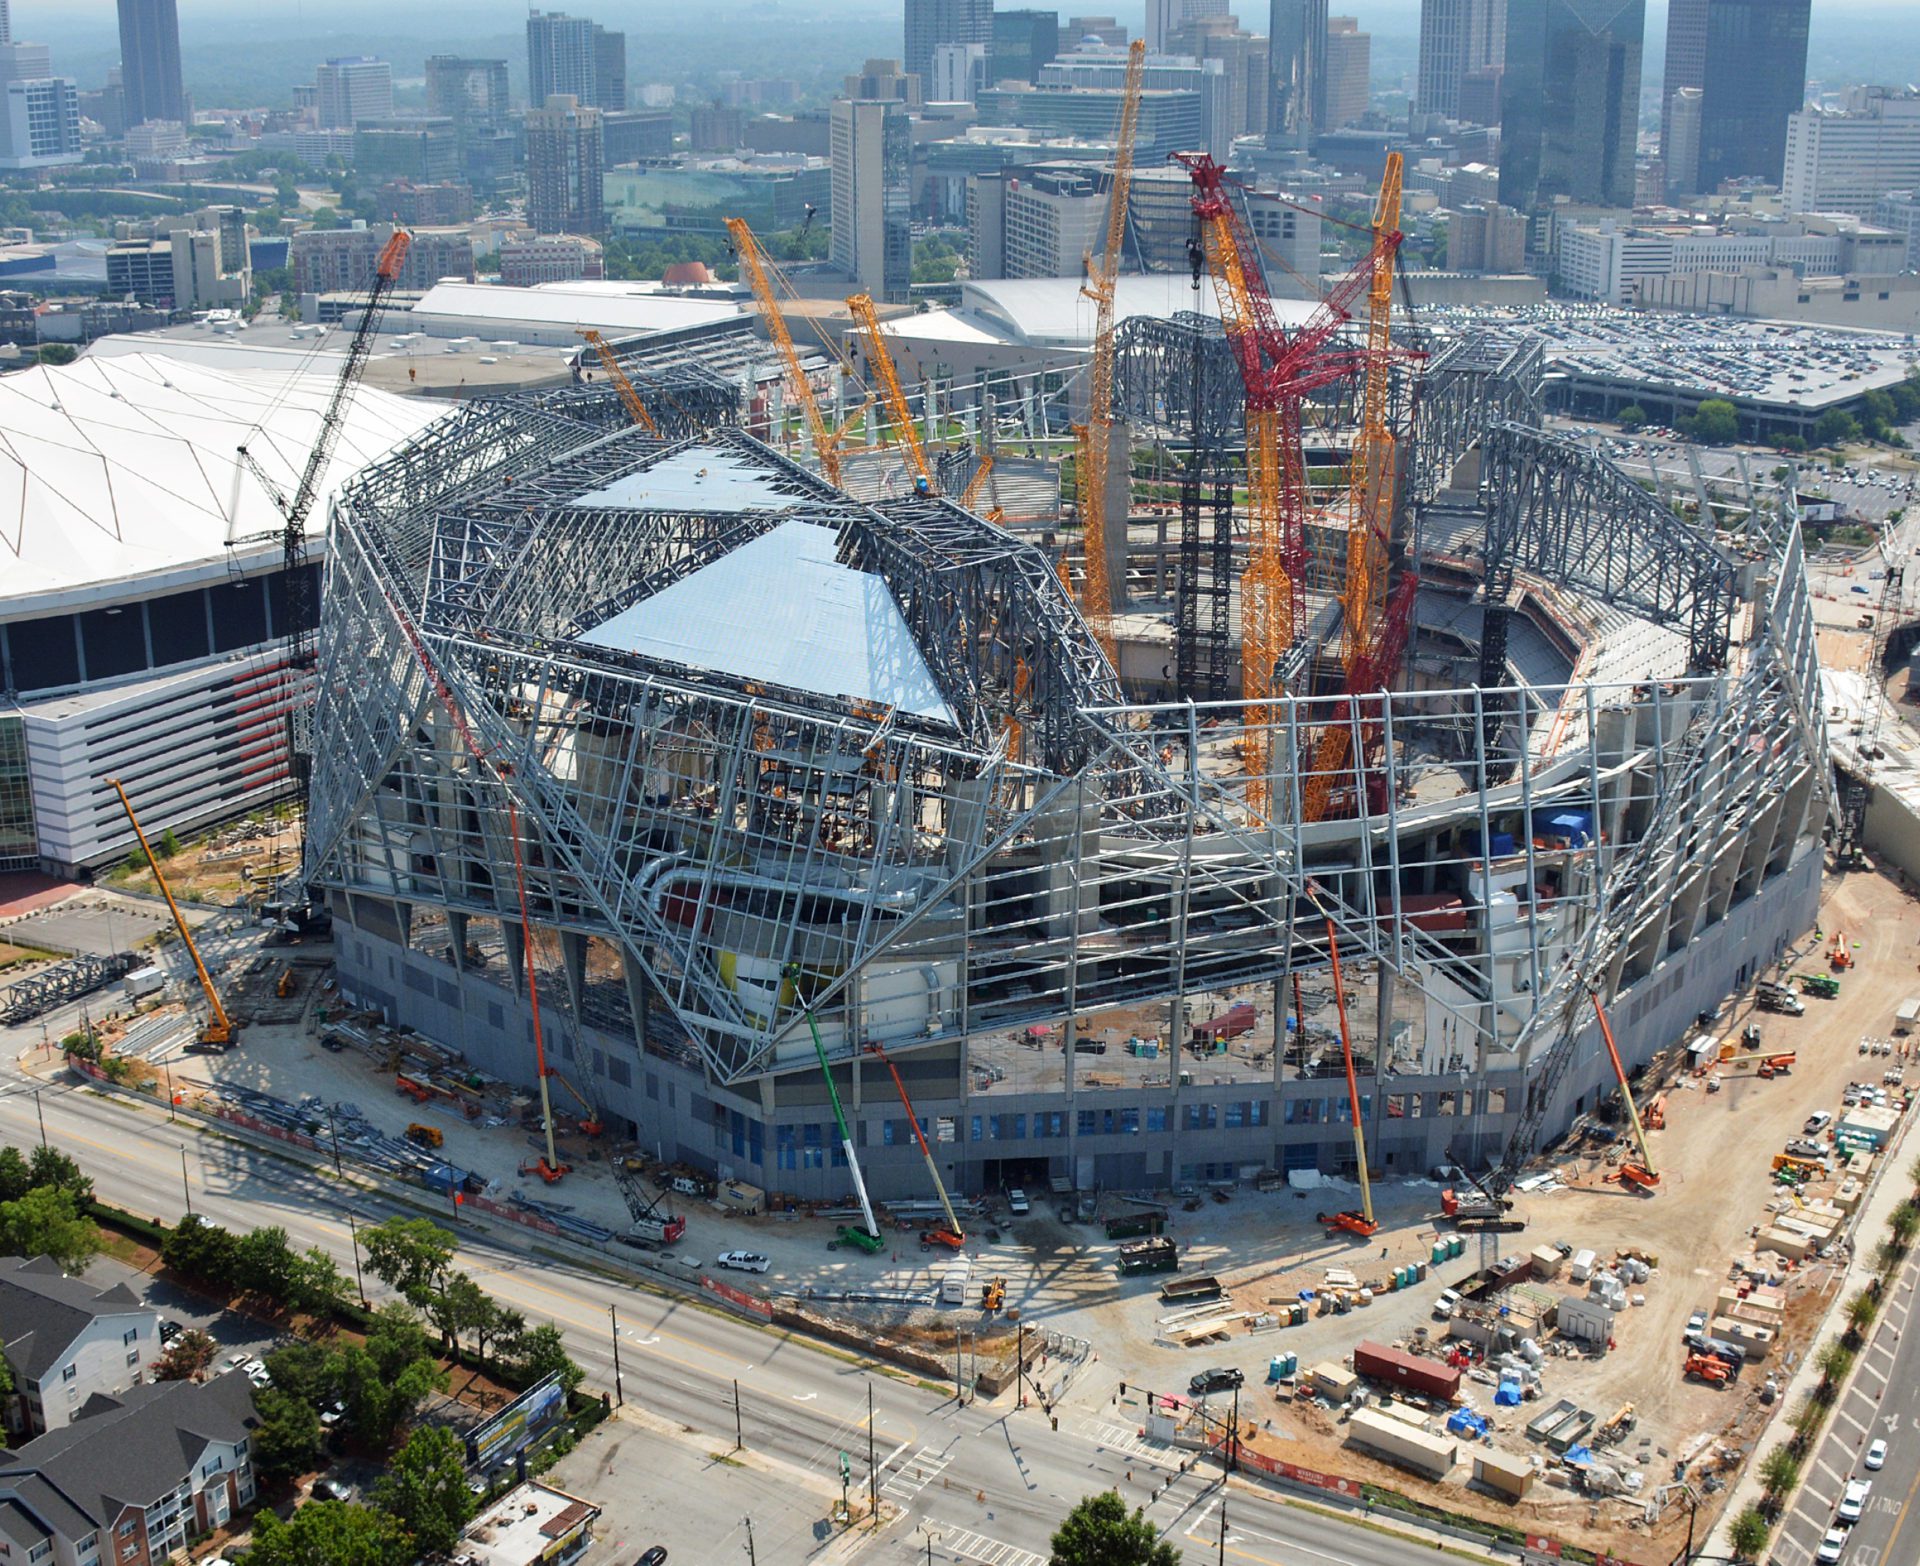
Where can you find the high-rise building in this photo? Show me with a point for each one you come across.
(1166, 17)
(1349, 66)
(1296, 63)
(1846, 161)
(885, 79)
(871, 200)
(1680, 141)
(1686, 66)
(934, 22)
(609, 69)
(1023, 41)
(1486, 239)
(468, 92)
(1457, 38)
(25, 62)
(41, 126)
(351, 89)
(1570, 102)
(1480, 96)
(1102, 29)
(150, 62)
(959, 72)
(560, 58)
(566, 157)
(1756, 77)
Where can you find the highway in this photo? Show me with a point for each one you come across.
(991, 1480)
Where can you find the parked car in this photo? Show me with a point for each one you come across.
(1831, 1546)
(330, 1489)
(1817, 1122)
(1216, 1378)
(1696, 1324)
(1448, 1302)
(1876, 1455)
(169, 1330)
(657, 1556)
(1854, 1500)
(1017, 1202)
(742, 1261)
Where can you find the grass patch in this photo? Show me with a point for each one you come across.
(725, 1457)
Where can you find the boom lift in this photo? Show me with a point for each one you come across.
(792, 974)
(299, 913)
(1096, 435)
(1361, 1222)
(610, 362)
(897, 410)
(953, 1235)
(1639, 1176)
(218, 1031)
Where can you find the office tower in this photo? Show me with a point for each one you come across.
(1680, 141)
(1486, 239)
(150, 62)
(1349, 62)
(25, 62)
(933, 22)
(1103, 28)
(609, 69)
(6, 22)
(870, 205)
(469, 92)
(1480, 96)
(959, 72)
(1569, 102)
(565, 158)
(1686, 64)
(352, 89)
(1756, 78)
(885, 79)
(1023, 41)
(1167, 17)
(1297, 48)
(1457, 38)
(560, 58)
(41, 126)
(1846, 162)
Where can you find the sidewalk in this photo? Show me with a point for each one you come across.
(1890, 1188)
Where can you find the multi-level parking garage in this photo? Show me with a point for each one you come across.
(747, 743)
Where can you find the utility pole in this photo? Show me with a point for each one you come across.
(1233, 1445)
(333, 1126)
(1222, 1557)
(619, 1392)
(739, 1440)
(873, 1473)
(167, 1066)
(752, 1559)
(38, 1110)
(184, 1184)
(1020, 1365)
(353, 1228)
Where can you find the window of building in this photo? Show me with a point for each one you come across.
(134, 1357)
(1202, 1117)
(1129, 1122)
(1085, 1121)
(975, 1131)
(131, 1335)
(1156, 1118)
(69, 1373)
(1259, 1112)
(1236, 1114)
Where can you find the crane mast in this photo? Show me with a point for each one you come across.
(1096, 435)
(760, 273)
(896, 400)
(629, 397)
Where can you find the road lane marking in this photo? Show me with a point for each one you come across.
(992, 1552)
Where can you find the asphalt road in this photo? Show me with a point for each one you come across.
(1883, 1402)
(991, 1479)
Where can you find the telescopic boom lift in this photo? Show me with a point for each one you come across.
(219, 1031)
(792, 974)
(1359, 1222)
(955, 1235)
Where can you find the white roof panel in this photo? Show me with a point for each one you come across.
(115, 469)
(701, 478)
(784, 610)
(607, 310)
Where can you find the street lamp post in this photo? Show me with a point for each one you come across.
(752, 1560)
(619, 1392)
(353, 1229)
(41, 1112)
(185, 1185)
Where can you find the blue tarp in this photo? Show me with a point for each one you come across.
(1465, 1421)
(1579, 1456)
(1508, 1395)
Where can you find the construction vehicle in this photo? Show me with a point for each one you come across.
(548, 1168)
(1657, 1113)
(881, 361)
(297, 912)
(1095, 437)
(651, 1227)
(1709, 1368)
(953, 1236)
(421, 1135)
(1475, 1207)
(1360, 1222)
(1824, 985)
(1769, 996)
(1637, 1175)
(1775, 1066)
(859, 1239)
(1616, 1427)
(285, 985)
(994, 1296)
(1839, 953)
(792, 976)
(630, 398)
(218, 1031)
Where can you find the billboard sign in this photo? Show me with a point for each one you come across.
(517, 1425)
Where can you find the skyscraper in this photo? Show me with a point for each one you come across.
(560, 58)
(931, 22)
(871, 202)
(1686, 66)
(469, 92)
(150, 61)
(1680, 141)
(1756, 79)
(1023, 41)
(1457, 38)
(1349, 65)
(349, 90)
(1296, 59)
(566, 155)
(609, 69)
(1569, 101)
(1166, 17)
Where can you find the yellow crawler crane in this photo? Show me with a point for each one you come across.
(761, 274)
(610, 362)
(896, 400)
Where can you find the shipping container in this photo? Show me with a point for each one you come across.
(1334, 1381)
(1432, 1455)
(739, 1197)
(1391, 1366)
(1508, 1475)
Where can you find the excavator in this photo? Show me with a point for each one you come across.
(219, 1031)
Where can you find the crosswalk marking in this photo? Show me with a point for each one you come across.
(914, 1475)
(977, 1547)
(1126, 1440)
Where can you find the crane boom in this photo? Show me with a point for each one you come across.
(610, 362)
(219, 1030)
(760, 274)
(939, 1185)
(792, 974)
(1096, 445)
(897, 410)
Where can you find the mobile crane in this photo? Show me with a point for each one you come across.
(897, 410)
(219, 1031)
(872, 1240)
(953, 1236)
(610, 362)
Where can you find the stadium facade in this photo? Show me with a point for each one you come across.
(747, 754)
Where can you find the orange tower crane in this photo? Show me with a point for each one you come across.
(897, 410)
(610, 362)
(1096, 435)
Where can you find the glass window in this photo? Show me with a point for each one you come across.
(69, 1373)
(1085, 1121)
(1236, 1114)
(1129, 1122)
(1156, 1117)
(974, 1135)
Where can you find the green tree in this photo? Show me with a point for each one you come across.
(462, 1306)
(304, 1371)
(1779, 1471)
(1101, 1532)
(1861, 1309)
(410, 1255)
(287, 1437)
(168, 846)
(1835, 427)
(1877, 412)
(186, 1357)
(384, 1382)
(200, 1250)
(425, 1486)
(47, 1222)
(15, 1181)
(58, 353)
(1632, 416)
(508, 1337)
(50, 1166)
(265, 1265)
(1904, 1225)
(1715, 423)
(1749, 1534)
(542, 1352)
(320, 1288)
(329, 1533)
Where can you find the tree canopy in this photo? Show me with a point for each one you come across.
(425, 1486)
(1101, 1532)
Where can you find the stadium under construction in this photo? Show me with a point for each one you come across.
(656, 750)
